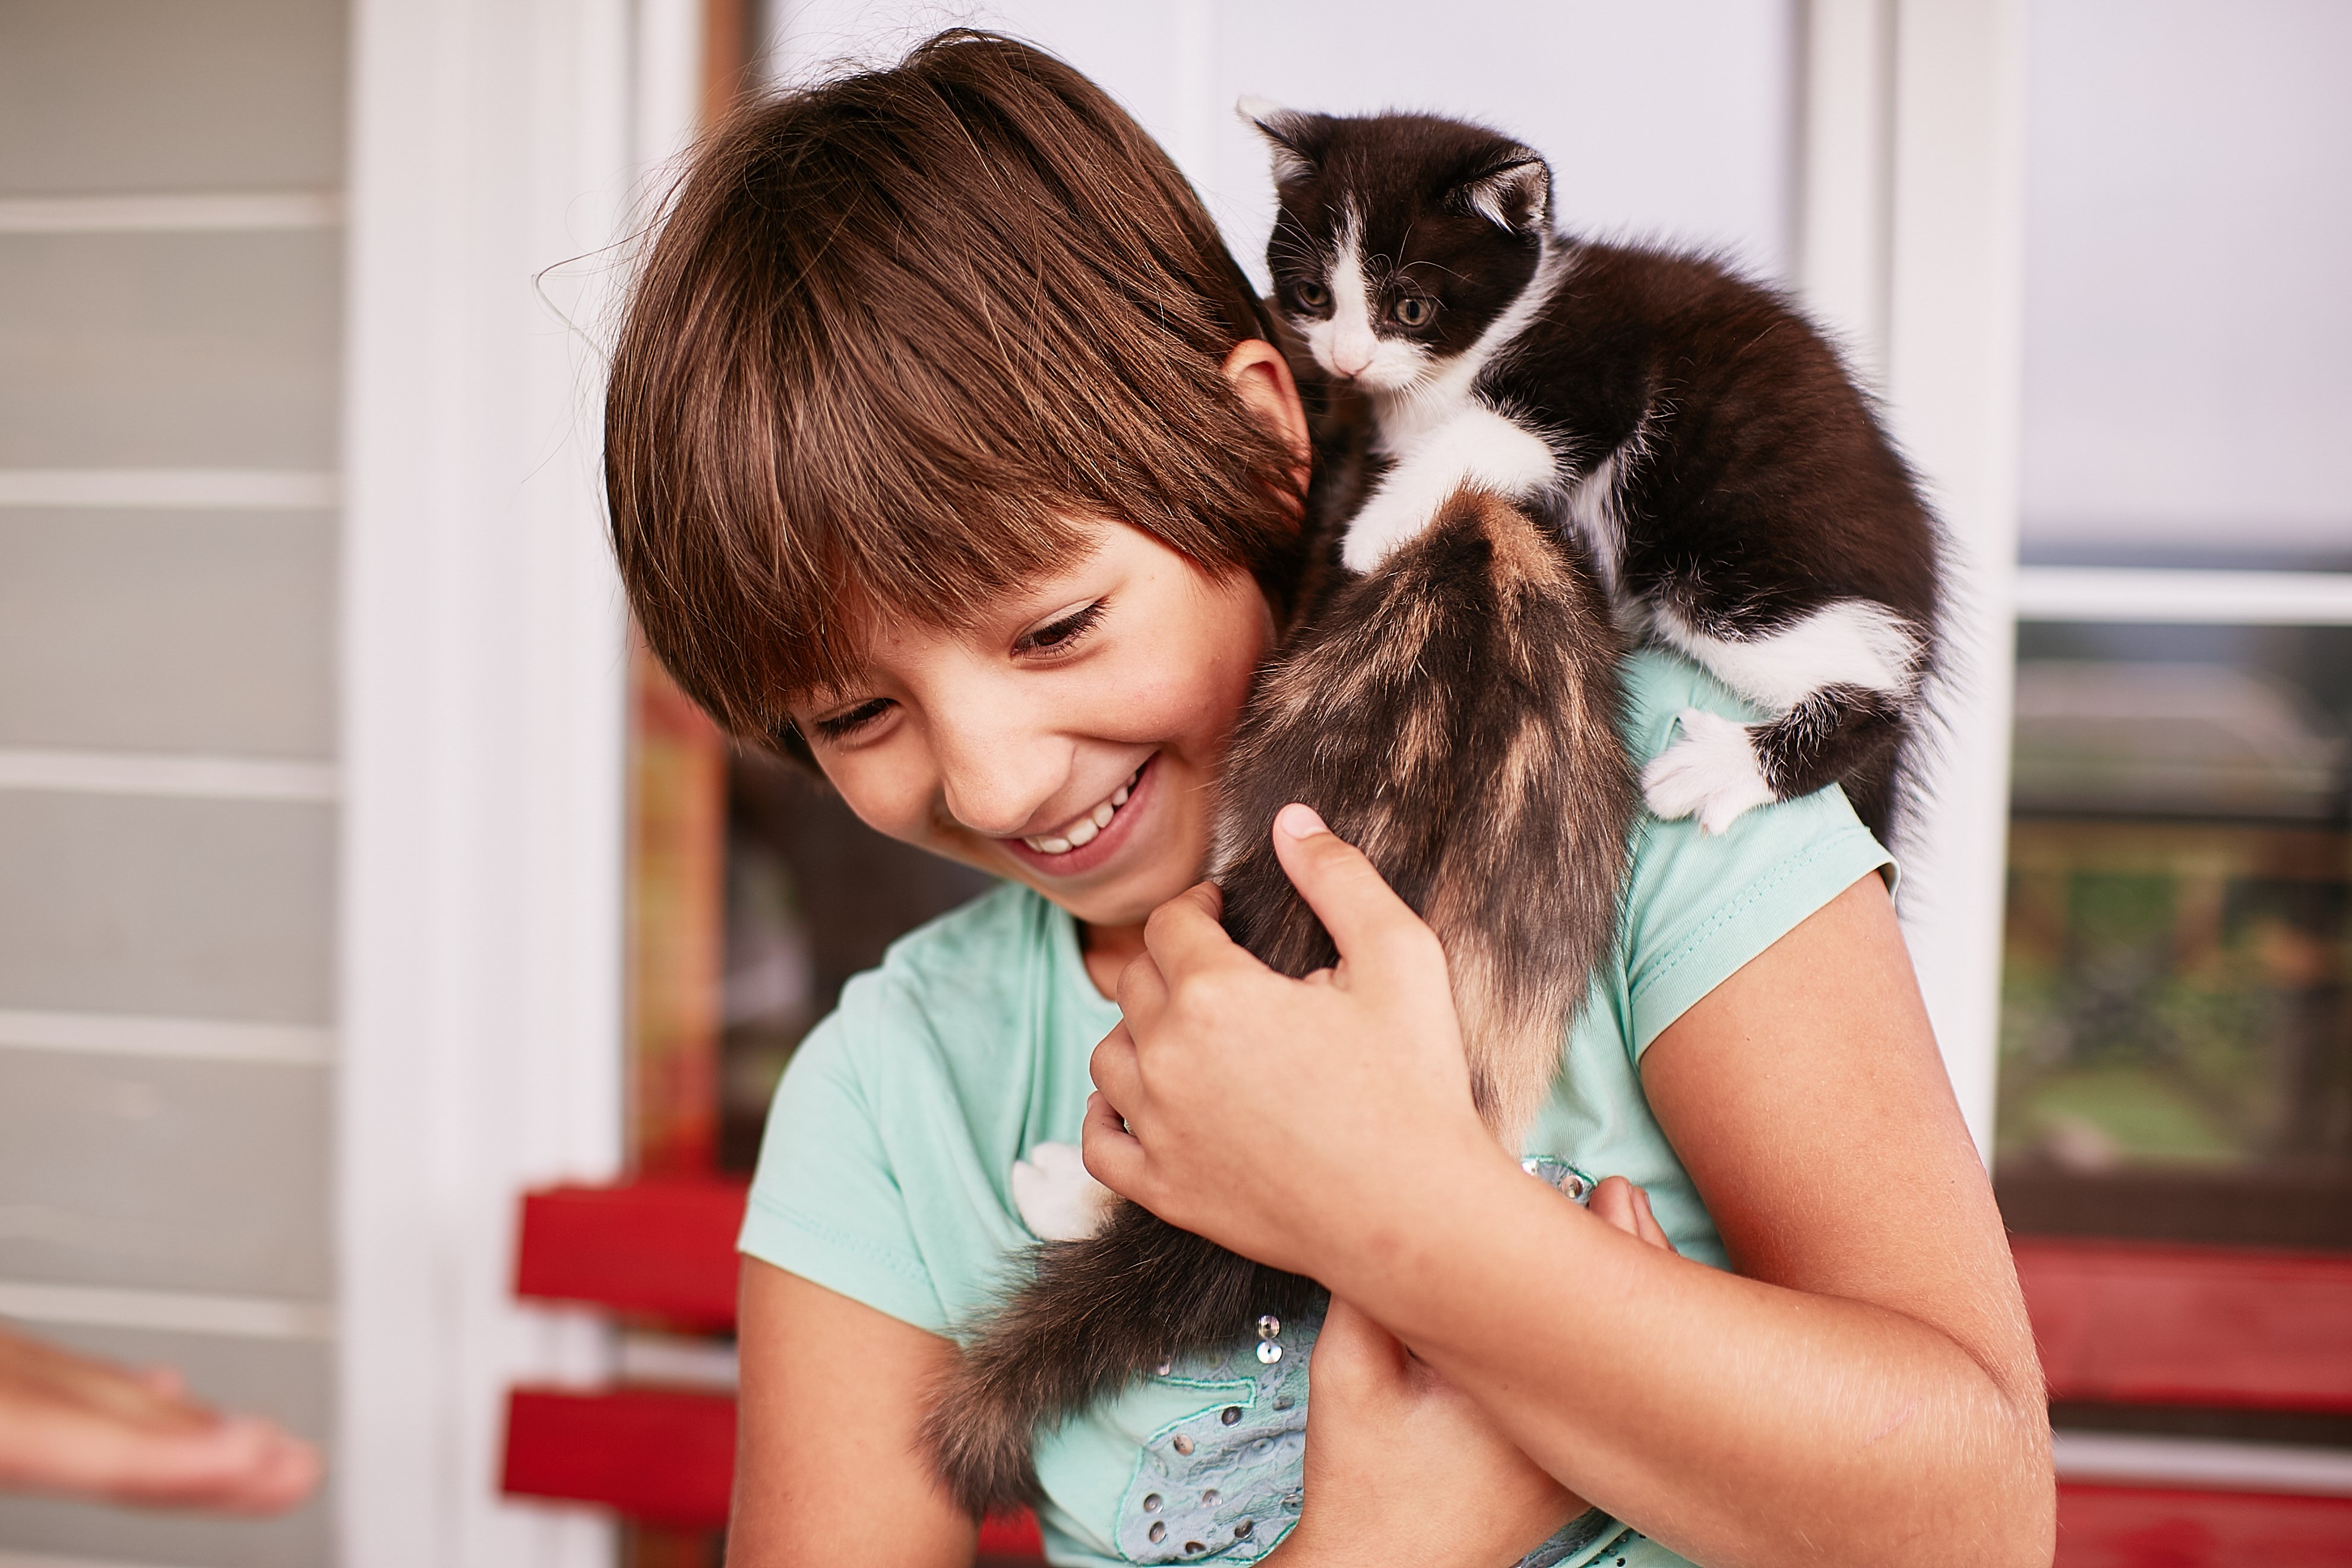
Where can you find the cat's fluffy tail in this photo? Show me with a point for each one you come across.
(1096, 1314)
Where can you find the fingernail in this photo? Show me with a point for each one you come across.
(1299, 821)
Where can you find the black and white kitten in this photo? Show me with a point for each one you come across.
(1689, 427)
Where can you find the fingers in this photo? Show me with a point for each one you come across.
(1612, 1200)
(242, 1465)
(1114, 1070)
(1113, 1156)
(1627, 1207)
(164, 1382)
(1650, 1229)
(1184, 934)
(1366, 919)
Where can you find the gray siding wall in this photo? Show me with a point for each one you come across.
(170, 317)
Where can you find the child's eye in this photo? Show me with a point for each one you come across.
(1413, 310)
(841, 726)
(1061, 632)
(1313, 296)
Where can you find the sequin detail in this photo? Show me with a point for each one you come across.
(1222, 1484)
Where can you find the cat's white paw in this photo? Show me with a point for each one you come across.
(1394, 517)
(1711, 773)
(1059, 1199)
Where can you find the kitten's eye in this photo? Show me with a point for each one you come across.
(1413, 310)
(1061, 632)
(1313, 296)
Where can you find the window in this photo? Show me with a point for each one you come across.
(2176, 1053)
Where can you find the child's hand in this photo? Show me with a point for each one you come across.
(1402, 1466)
(1397, 1455)
(1627, 1207)
(68, 1424)
(1292, 1120)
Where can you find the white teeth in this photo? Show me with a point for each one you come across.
(1084, 830)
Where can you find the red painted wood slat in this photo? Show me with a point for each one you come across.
(663, 1456)
(659, 1455)
(2123, 1526)
(2134, 1324)
(663, 1247)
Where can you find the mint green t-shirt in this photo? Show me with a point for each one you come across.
(885, 1170)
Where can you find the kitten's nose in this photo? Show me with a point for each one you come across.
(1351, 360)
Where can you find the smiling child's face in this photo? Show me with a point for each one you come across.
(1067, 742)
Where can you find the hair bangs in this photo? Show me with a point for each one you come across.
(902, 337)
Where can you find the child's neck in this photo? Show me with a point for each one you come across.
(1108, 951)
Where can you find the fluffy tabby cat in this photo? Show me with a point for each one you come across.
(1452, 712)
(1690, 428)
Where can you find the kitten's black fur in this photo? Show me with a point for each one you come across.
(1690, 427)
(1453, 714)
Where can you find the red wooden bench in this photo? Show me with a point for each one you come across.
(2117, 1323)
(660, 1252)
(2137, 1323)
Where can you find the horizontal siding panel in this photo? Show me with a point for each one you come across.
(178, 1176)
(205, 632)
(169, 350)
(185, 909)
(290, 1383)
(160, 95)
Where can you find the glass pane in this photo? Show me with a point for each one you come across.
(2180, 931)
(814, 896)
(2188, 191)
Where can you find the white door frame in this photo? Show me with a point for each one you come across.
(484, 732)
(1912, 248)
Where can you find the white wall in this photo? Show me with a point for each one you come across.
(1663, 121)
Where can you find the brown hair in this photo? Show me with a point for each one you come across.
(901, 334)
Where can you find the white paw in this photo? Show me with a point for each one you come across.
(1394, 517)
(1057, 1199)
(1711, 772)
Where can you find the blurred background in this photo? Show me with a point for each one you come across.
(358, 874)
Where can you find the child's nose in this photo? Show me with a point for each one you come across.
(996, 776)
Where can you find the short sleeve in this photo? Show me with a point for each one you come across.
(1699, 905)
(825, 1203)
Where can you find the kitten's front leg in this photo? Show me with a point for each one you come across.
(1476, 446)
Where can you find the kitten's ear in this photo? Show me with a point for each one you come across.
(1289, 134)
(1515, 193)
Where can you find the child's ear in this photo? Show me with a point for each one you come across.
(1262, 376)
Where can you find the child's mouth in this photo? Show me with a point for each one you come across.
(1083, 829)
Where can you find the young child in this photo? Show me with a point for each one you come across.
(948, 450)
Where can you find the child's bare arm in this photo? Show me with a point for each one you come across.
(1396, 1454)
(1867, 1393)
(826, 1466)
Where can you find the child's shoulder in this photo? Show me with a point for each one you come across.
(989, 950)
(1656, 684)
(1005, 918)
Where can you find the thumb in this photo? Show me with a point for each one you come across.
(1368, 922)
